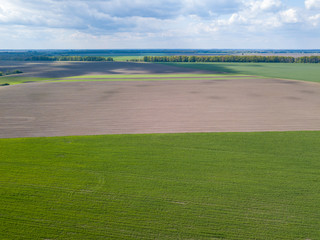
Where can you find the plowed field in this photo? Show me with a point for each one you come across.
(162, 106)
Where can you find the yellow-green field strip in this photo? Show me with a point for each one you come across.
(152, 79)
(113, 77)
(138, 76)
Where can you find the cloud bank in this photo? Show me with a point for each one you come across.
(159, 24)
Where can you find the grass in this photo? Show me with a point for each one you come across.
(152, 77)
(140, 79)
(12, 80)
(138, 76)
(297, 71)
(117, 77)
(161, 186)
(127, 58)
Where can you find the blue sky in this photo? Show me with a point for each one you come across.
(123, 24)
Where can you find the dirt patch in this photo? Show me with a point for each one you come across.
(90, 108)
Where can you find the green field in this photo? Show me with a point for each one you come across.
(161, 186)
(17, 80)
(127, 58)
(152, 76)
(297, 71)
(165, 186)
(113, 77)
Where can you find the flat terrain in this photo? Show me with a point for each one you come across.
(161, 186)
(299, 71)
(243, 185)
(163, 106)
(69, 69)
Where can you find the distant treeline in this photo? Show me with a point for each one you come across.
(230, 58)
(312, 59)
(69, 58)
(10, 72)
(54, 58)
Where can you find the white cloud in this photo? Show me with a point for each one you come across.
(255, 16)
(270, 4)
(208, 8)
(312, 4)
(289, 16)
(315, 20)
(237, 18)
(160, 23)
(263, 5)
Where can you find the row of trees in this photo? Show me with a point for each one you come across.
(10, 72)
(69, 58)
(231, 58)
(311, 59)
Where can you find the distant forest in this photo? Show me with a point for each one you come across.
(153, 52)
(230, 58)
(18, 57)
(69, 58)
(10, 72)
(166, 55)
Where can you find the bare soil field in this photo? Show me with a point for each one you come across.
(90, 108)
(69, 69)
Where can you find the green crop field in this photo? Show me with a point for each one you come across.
(165, 186)
(297, 71)
(127, 58)
(152, 76)
(123, 77)
(161, 186)
(17, 80)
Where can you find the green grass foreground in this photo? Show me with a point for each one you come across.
(161, 186)
(298, 71)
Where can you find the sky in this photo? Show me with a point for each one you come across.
(160, 24)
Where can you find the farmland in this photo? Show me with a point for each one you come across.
(166, 104)
(297, 71)
(190, 151)
(53, 71)
(161, 186)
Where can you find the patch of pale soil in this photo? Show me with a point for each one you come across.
(90, 108)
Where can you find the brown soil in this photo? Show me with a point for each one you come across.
(89, 108)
